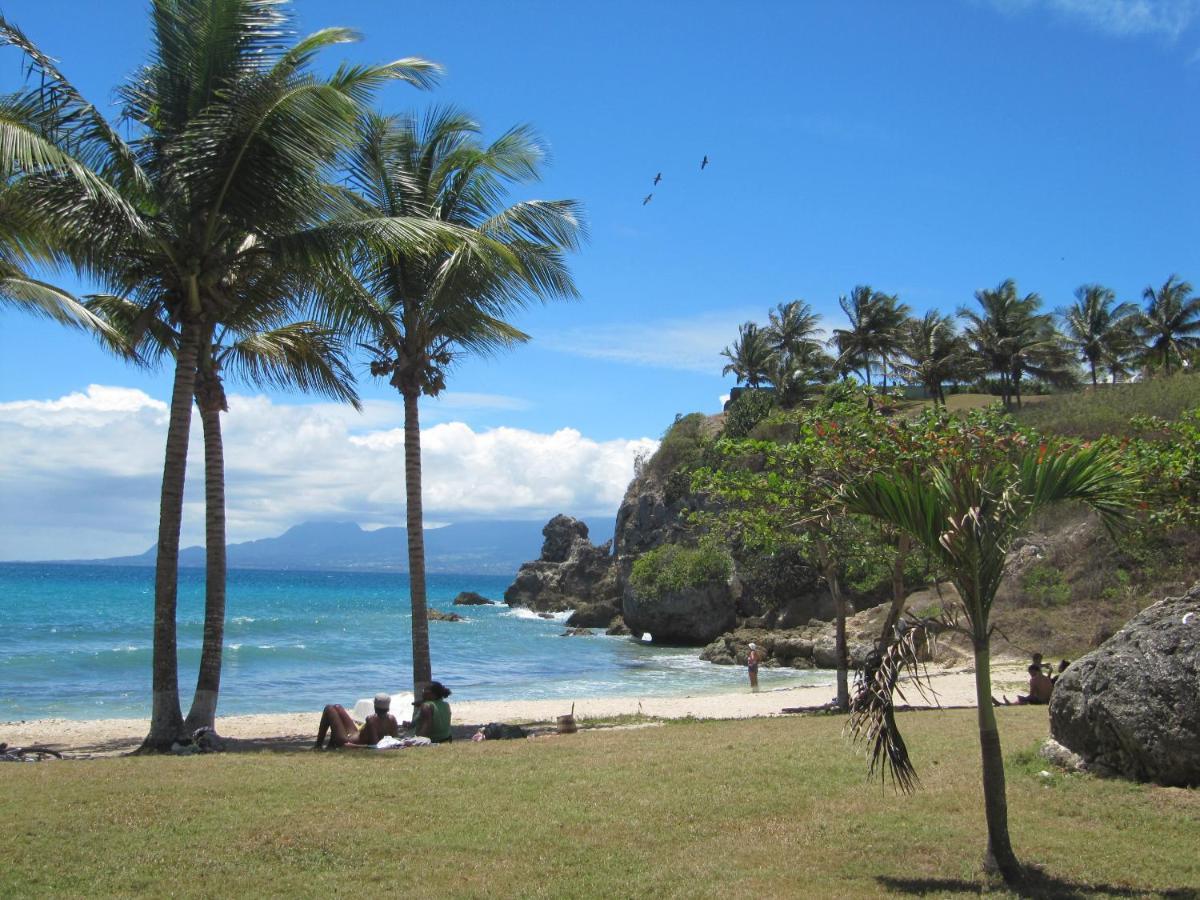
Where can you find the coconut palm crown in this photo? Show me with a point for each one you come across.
(1171, 322)
(418, 312)
(230, 159)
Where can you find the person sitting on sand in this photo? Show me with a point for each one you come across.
(344, 733)
(431, 715)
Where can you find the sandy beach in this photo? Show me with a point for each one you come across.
(288, 731)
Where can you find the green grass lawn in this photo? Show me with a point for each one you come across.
(760, 808)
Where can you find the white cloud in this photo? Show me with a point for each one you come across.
(1124, 18)
(80, 475)
(691, 345)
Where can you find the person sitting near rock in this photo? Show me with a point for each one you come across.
(431, 714)
(1062, 667)
(344, 733)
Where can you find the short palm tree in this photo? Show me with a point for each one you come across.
(795, 374)
(750, 357)
(966, 518)
(418, 312)
(1171, 321)
(233, 144)
(1098, 328)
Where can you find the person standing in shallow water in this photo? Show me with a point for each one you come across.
(753, 658)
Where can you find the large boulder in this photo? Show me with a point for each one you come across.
(1132, 706)
(571, 573)
(470, 598)
(691, 616)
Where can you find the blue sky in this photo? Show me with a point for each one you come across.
(926, 149)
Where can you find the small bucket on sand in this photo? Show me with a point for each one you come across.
(566, 724)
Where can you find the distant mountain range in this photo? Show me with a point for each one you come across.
(476, 548)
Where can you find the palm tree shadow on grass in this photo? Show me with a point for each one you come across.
(1035, 883)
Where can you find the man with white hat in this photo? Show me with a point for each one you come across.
(344, 733)
(753, 658)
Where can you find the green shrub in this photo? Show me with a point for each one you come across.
(750, 408)
(1046, 585)
(681, 447)
(675, 567)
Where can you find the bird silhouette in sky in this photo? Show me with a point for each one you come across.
(658, 178)
(647, 200)
(703, 163)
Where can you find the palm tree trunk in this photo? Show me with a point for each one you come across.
(1094, 382)
(166, 719)
(210, 399)
(903, 544)
(1000, 856)
(422, 669)
(829, 569)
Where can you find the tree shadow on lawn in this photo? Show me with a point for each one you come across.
(1037, 883)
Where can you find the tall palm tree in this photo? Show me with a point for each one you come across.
(966, 518)
(1171, 322)
(233, 144)
(750, 357)
(1096, 329)
(935, 353)
(793, 326)
(419, 312)
(794, 374)
(1013, 339)
(876, 322)
(263, 348)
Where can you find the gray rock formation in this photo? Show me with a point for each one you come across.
(693, 616)
(571, 573)
(470, 598)
(1132, 706)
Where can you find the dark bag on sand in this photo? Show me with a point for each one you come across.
(496, 731)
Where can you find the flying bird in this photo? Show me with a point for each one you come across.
(703, 163)
(658, 178)
(647, 200)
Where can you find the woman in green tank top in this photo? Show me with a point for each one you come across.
(432, 718)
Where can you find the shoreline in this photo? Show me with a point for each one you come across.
(294, 731)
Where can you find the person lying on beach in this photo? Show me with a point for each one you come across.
(344, 733)
(431, 714)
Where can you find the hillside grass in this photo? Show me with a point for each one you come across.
(1108, 409)
(768, 807)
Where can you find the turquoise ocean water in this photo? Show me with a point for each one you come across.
(75, 643)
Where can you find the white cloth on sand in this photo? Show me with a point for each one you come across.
(391, 743)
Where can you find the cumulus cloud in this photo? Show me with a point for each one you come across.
(691, 345)
(1124, 18)
(80, 475)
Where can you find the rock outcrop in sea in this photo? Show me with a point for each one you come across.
(1132, 706)
(572, 573)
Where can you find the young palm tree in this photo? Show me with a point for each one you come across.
(1171, 322)
(935, 354)
(966, 518)
(419, 312)
(234, 139)
(1096, 329)
(750, 357)
(795, 373)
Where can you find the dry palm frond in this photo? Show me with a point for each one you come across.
(873, 707)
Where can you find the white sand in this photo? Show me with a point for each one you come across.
(110, 737)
